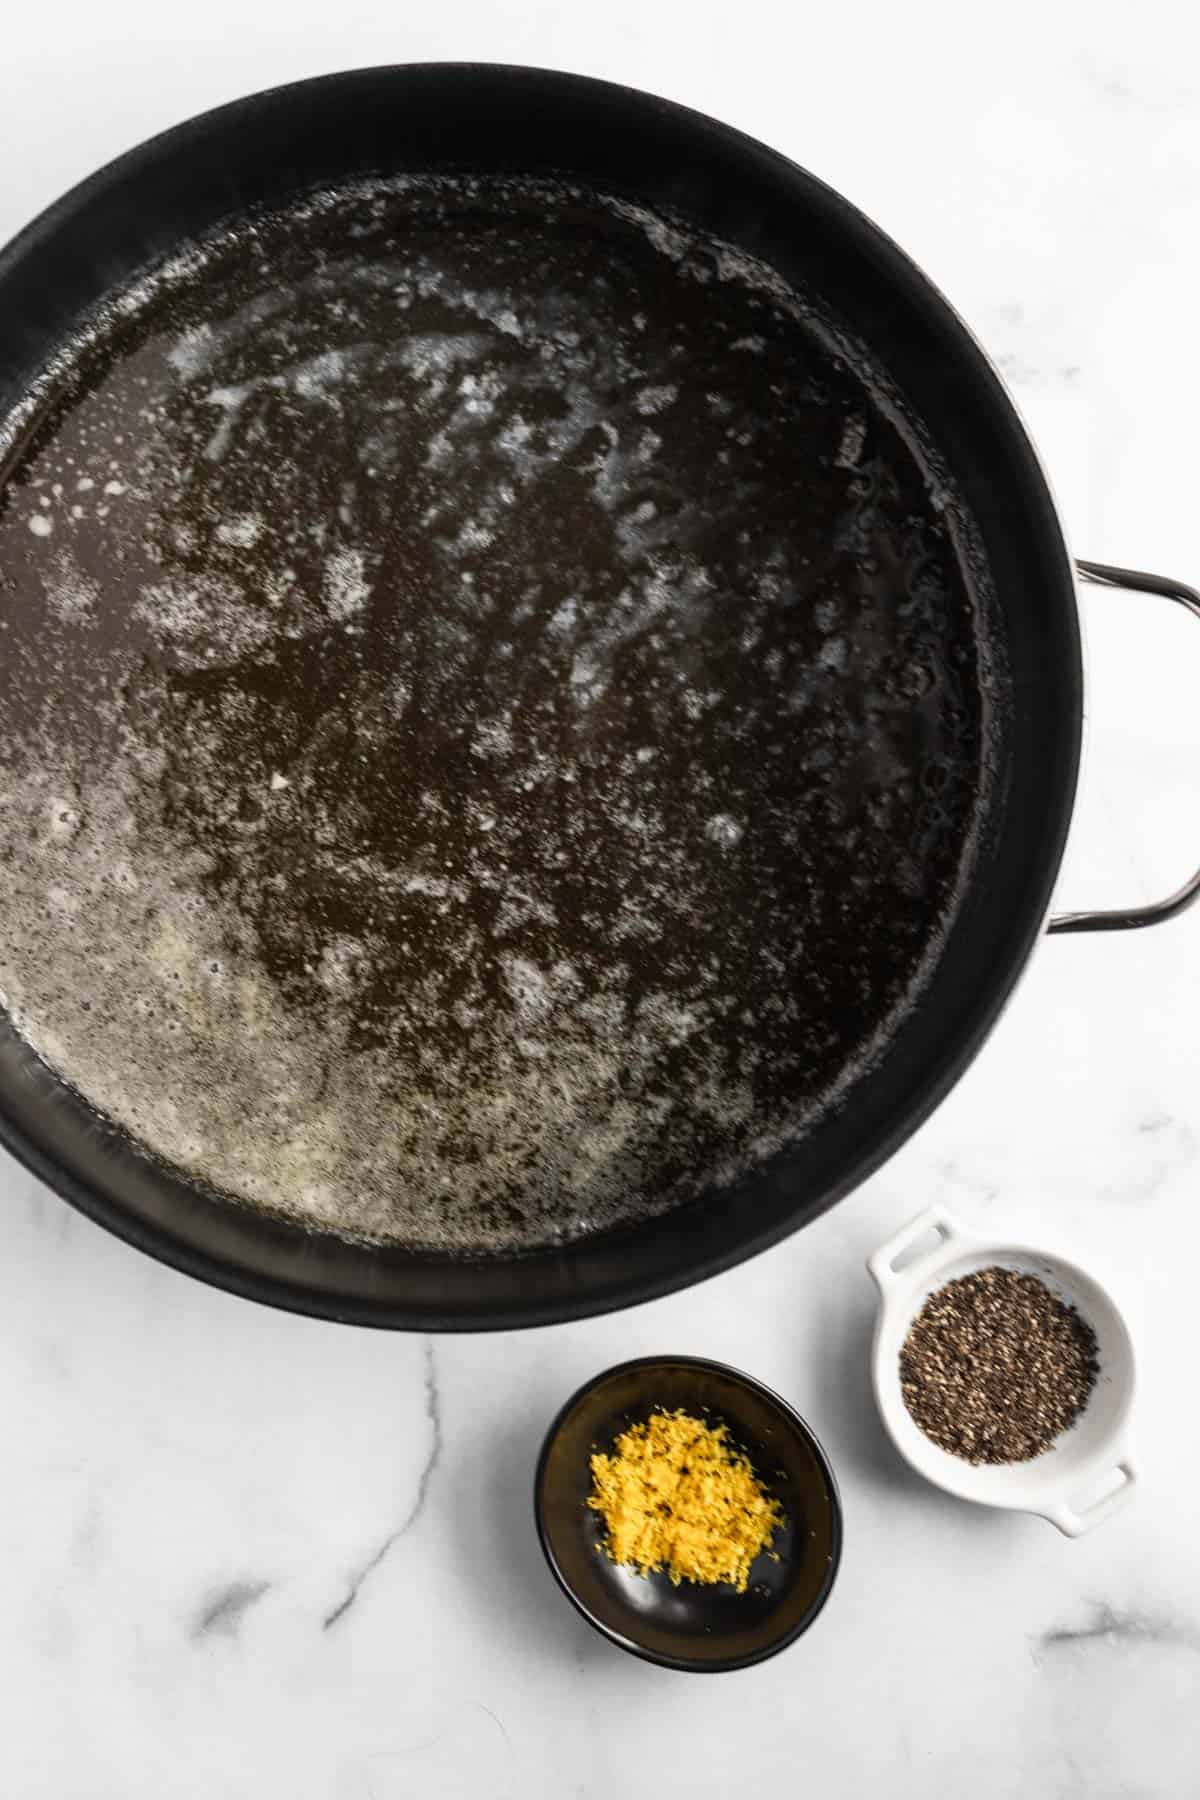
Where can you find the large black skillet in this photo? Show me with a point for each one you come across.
(484, 119)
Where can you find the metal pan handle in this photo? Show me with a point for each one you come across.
(1106, 576)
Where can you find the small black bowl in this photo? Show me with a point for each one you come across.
(691, 1627)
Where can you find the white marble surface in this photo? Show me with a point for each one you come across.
(243, 1554)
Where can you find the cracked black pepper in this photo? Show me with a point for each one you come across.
(995, 1366)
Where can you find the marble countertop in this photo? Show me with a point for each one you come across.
(245, 1554)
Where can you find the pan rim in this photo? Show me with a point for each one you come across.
(35, 1149)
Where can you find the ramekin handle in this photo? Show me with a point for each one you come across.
(1077, 1521)
(951, 1236)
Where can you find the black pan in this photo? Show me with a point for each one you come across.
(494, 120)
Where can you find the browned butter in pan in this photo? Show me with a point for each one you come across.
(492, 722)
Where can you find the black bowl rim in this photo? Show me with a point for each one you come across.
(798, 1424)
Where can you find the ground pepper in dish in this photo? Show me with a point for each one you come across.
(995, 1367)
(676, 1495)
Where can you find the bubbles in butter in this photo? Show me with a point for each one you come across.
(494, 721)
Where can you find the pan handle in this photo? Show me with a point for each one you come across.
(1104, 575)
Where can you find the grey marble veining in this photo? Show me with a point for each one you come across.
(223, 1612)
(1111, 1628)
(433, 1413)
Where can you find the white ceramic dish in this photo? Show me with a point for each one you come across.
(1090, 1471)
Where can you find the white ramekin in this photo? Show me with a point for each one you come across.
(1090, 1471)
